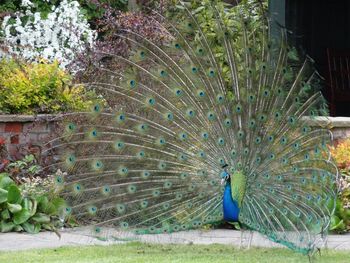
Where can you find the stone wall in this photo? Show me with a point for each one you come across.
(24, 134)
(340, 126)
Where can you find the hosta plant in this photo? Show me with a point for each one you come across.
(30, 213)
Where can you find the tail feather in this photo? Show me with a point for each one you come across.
(148, 159)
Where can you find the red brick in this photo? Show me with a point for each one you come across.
(4, 138)
(14, 139)
(13, 127)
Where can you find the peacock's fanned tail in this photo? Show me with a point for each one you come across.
(148, 159)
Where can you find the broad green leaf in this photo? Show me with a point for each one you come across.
(21, 217)
(5, 214)
(3, 196)
(41, 218)
(6, 227)
(14, 208)
(17, 228)
(30, 204)
(31, 228)
(14, 195)
(5, 181)
(27, 203)
(34, 207)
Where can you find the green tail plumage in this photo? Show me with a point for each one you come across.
(238, 187)
(149, 158)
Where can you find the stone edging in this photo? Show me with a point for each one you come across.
(326, 122)
(25, 118)
(329, 122)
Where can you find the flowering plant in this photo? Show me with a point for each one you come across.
(340, 221)
(60, 35)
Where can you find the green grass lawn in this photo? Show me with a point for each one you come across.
(138, 252)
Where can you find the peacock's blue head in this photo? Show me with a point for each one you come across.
(225, 176)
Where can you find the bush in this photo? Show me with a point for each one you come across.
(39, 88)
(341, 219)
(341, 155)
(58, 32)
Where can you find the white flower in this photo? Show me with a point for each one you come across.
(60, 36)
(26, 3)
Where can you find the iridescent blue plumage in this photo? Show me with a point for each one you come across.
(230, 206)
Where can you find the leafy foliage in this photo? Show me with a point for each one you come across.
(30, 201)
(340, 221)
(94, 9)
(341, 154)
(21, 169)
(111, 43)
(91, 8)
(19, 212)
(206, 16)
(39, 88)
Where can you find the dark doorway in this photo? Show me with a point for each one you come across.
(318, 25)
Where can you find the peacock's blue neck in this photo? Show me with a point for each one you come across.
(230, 206)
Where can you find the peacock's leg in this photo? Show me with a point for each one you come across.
(250, 238)
(326, 243)
(241, 239)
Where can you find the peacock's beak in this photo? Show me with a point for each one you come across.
(223, 180)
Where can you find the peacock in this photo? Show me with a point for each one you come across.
(211, 124)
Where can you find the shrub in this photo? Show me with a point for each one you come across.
(39, 88)
(109, 44)
(341, 219)
(56, 33)
(341, 154)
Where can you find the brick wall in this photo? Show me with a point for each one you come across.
(23, 134)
